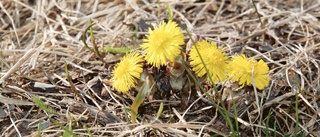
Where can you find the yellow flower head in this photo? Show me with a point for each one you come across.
(214, 59)
(163, 43)
(242, 69)
(126, 72)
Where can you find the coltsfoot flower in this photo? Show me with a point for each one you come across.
(126, 72)
(163, 44)
(214, 59)
(243, 70)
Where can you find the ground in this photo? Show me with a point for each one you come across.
(42, 40)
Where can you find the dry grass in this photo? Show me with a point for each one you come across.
(38, 36)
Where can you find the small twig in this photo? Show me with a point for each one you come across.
(255, 6)
(13, 124)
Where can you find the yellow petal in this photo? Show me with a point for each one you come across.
(126, 72)
(214, 59)
(163, 44)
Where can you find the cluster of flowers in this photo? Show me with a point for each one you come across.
(164, 43)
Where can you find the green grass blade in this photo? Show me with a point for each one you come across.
(160, 110)
(87, 129)
(84, 36)
(221, 111)
(267, 123)
(39, 128)
(235, 116)
(91, 30)
(274, 128)
(67, 131)
(42, 105)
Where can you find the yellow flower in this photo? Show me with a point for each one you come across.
(126, 72)
(214, 59)
(163, 43)
(242, 69)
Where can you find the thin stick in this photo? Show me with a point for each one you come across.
(18, 64)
